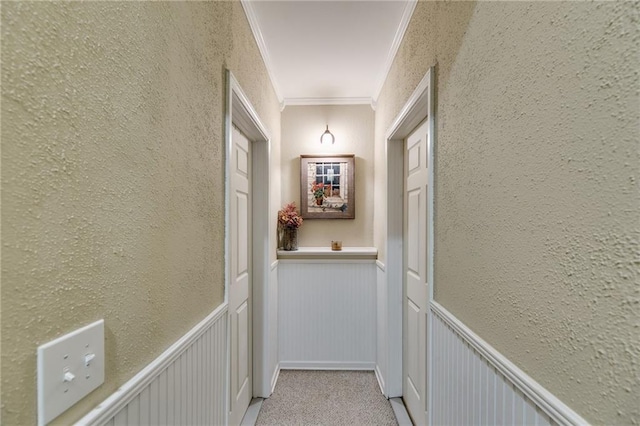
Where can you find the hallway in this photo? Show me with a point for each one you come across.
(328, 398)
(116, 123)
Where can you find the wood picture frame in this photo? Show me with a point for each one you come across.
(327, 186)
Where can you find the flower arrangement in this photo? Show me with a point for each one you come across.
(317, 189)
(289, 217)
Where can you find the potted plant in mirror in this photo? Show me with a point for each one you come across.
(289, 220)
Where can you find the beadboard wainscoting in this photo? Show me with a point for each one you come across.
(327, 314)
(184, 385)
(473, 384)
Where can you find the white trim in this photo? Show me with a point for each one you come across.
(241, 113)
(431, 156)
(431, 208)
(326, 365)
(331, 261)
(397, 40)
(380, 380)
(393, 266)
(551, 405)
(400, 411)
(274, 265)
(362, 253)
(252, 413)
(419, 106)
(327, 101)
(262, 47)
(261, 280)
(382, 339)
(132, 388)
(414, 111)
(274, 378)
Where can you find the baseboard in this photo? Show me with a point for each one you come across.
(208, 335)
(326, 365)
(380, 380)
(508, 373)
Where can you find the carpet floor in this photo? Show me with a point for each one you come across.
(308, 397)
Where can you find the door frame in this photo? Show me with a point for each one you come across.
(240, 112)
(419, 106)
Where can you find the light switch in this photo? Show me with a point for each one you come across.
(69, 368)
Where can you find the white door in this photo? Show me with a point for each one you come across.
(415, 294)
(240, 283)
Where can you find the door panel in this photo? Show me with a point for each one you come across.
(415, 275)
(240, 277)
(242, 253)
(413, 327)
(413, 233)
(242, 375)
(413, 159)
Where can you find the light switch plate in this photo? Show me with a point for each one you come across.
(69, 368)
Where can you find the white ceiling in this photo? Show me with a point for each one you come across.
(328, 52)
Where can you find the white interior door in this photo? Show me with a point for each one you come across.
(415, 294)
(240, 282)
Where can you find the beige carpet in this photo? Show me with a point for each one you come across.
(306, 397)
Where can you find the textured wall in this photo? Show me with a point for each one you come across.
(352, 126)
(112, 177)
(537, 199)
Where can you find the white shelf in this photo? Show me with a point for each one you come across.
(321, 253)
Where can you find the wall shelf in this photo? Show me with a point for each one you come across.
(322, 253)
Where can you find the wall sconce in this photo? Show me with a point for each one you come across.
(327, 136)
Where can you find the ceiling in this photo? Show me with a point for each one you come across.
(328, 52)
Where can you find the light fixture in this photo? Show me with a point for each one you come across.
(327, 136)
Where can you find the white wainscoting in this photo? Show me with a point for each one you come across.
(473, 384)
(184, 385)
(327, 314)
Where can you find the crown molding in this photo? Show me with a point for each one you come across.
(262, 46)
(327, 101)
(397, 40)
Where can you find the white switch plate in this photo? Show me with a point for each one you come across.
(64, 355)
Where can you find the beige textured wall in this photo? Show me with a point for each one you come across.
(537, 199)
(352, 126)
(112, 177)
